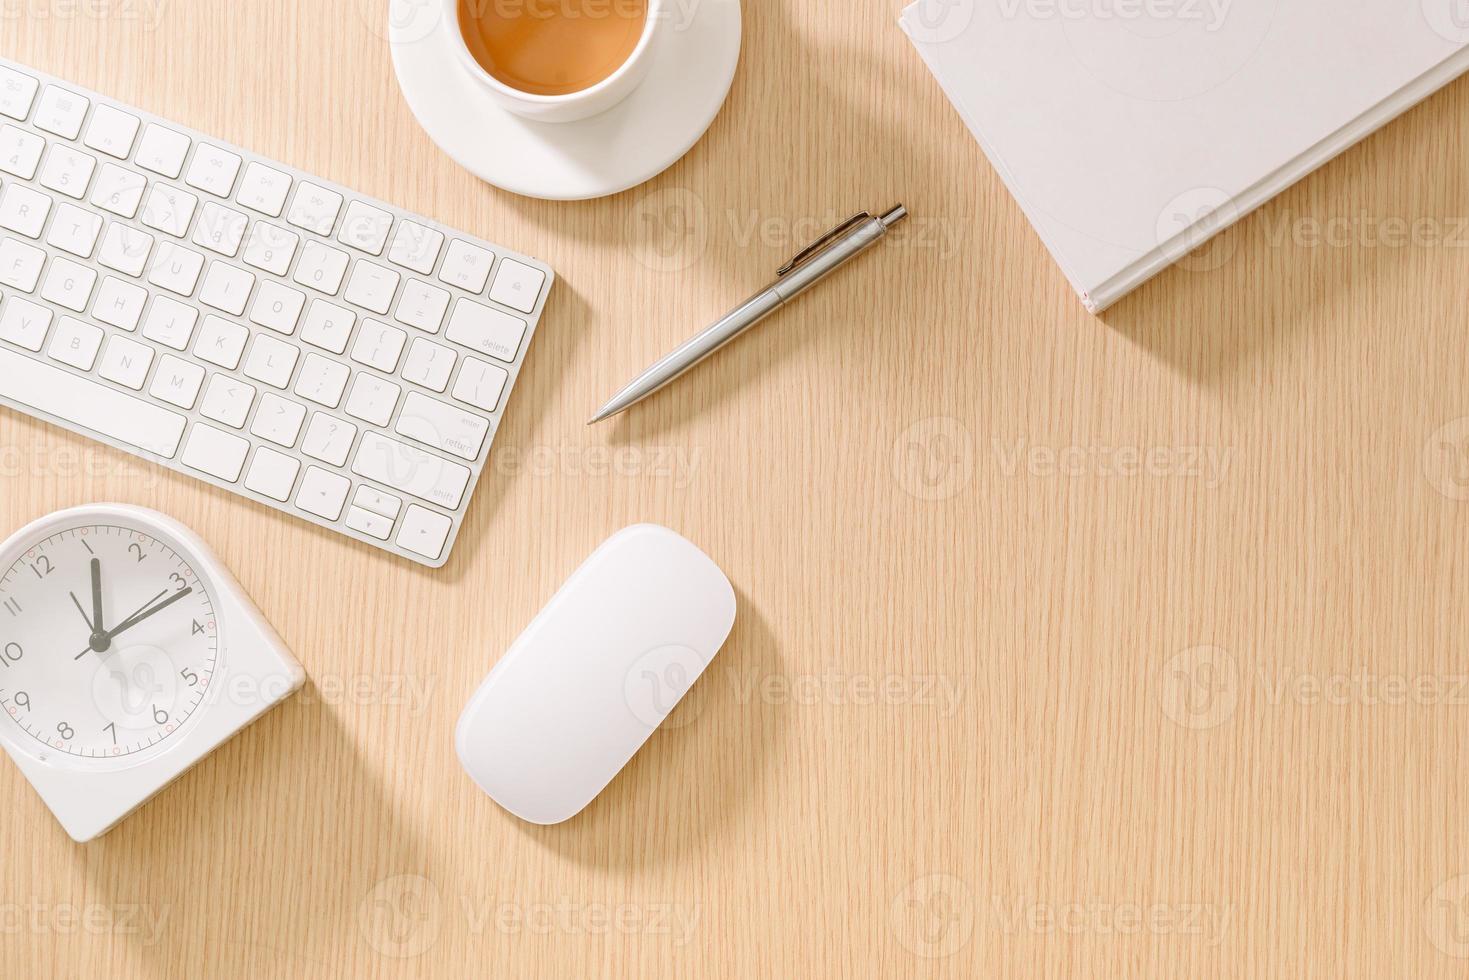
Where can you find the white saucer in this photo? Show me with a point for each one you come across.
(624, 146)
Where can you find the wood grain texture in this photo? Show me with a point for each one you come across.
(1119, 647)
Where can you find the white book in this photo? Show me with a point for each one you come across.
(1130, 131)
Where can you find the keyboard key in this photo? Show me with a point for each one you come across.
(329, 439)
(170, 322)
(90, 405)
(263, 189)
(270, 247)
(220, 229)
(67, 171)
(321, 267)
(24, 211)
(20, 151)
(415, 246)
(177, 381)
(68, 284)
(486, 330)
(227, 400)
(111, 131)
(75, 343)
(17, 91)
(226, 287)
(442, 426)
(175, 268)
(517, 285)
(162, 151)
(221, 342)
(215, 452)
(213, 169)
(424, 532)
(119, 304)
(24, 323)
(378, 346)
(366, 228)
(411, 470)
(314, 208)
(372, 399)
(429, 364)
(20, 264)
(323, 493)
(74, 230)
(119, 191)
(369, 523)
(328, 326)
(467, 266)
(61, 112)
(422, 306)
(271, 361)
(375, 500)
(125, 249)
(278, 420)
(372, 286)
(480, 384)
(126, 362)
(322, 380)
(169, 210)
(277, 307)
(272, 474)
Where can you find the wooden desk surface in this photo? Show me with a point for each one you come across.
(1114, 647)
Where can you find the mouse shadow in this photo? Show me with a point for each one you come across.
(696, 777)
(259, 794)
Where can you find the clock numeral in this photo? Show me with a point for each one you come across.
(12, 607)
(137, 551)
(10, 653)
(159, 715)
(22, 700)
(65, 731)
(42, 566)
(112, 727)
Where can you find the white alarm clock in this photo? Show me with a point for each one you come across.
(127, 654)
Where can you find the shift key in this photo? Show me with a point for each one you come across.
(486, 330)
(402, 467)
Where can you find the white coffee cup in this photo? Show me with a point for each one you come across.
(572, 106)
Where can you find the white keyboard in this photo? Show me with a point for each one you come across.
(234, 319)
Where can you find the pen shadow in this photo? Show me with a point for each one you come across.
(697, 776)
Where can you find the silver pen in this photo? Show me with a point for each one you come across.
(811, 265)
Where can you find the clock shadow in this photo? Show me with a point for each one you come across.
(255, 855)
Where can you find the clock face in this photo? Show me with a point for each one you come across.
(108, 642)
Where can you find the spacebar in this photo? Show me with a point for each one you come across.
(90, 405)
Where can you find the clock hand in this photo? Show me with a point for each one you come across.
(100, 641)
(96, 597)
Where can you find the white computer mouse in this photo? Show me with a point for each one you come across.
(595, 673)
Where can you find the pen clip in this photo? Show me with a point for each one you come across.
(810, 251)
